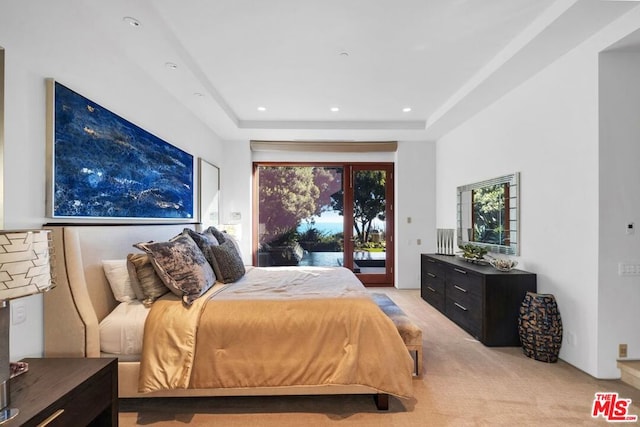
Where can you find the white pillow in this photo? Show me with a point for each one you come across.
(118, 277)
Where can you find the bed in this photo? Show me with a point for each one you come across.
(360, 354)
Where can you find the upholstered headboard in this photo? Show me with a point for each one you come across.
(82, 296)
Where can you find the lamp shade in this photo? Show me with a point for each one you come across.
(25, 263)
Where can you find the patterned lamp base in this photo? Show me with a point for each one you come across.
(540, 327)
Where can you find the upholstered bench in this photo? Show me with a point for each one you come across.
(411, 334)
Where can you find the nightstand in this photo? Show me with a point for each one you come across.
(66, 392)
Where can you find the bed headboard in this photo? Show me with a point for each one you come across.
(82, 296)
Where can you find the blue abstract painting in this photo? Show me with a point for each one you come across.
(105, 166)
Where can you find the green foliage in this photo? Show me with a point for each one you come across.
(313, 240)
(369, 194)
(489, 207)
(472, 251)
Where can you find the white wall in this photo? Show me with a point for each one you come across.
(548, 130)
(37, 47)
(415, 195)
(236, 190)
(618, 297)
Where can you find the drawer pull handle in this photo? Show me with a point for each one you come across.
(460, 289)
(431, 275)
(460, 306)
(460, 271)
(431, 289)
(51, 417)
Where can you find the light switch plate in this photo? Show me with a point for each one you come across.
(626, 269)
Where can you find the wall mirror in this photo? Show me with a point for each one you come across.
(488, 214)
(209, 195)
(1, 137)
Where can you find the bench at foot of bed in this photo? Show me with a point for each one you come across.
(411, 334)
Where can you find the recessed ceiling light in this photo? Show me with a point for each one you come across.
(131, 21)
(335, 109)
(262, 108)
(344, 54)
(406, 109)
(171, 65)
(198, 94)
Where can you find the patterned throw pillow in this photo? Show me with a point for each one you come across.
(145, 282)
(227, 262)
(182, 266)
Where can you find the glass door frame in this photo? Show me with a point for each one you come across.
(386, 279)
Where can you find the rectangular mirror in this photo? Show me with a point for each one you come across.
(488, 214)
(209, 195)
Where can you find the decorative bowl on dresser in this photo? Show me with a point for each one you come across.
(481, 300)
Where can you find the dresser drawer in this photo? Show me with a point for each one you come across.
(468, 318)
(432, 269)
(464, 282)
(80, 406)
(433, 297)
(464, 294)
(67, 392)
(432, 283)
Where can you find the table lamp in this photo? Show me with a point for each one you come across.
(25, 269)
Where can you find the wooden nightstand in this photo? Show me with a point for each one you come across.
(66, 392)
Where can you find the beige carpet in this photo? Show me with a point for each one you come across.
(464, 384)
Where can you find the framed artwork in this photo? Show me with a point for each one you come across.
(209, 200)
(103, 166)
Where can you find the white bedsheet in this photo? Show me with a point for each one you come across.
(121, 331)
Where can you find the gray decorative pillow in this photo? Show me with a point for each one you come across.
(235, 242)
(204, 241)
(219, 235)
(227, 262)
(145, 282)
(182, 266)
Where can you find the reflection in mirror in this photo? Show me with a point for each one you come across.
(488, 214)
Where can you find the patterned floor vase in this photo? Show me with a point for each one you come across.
(540, 327)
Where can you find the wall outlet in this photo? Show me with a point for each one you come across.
(622, 350)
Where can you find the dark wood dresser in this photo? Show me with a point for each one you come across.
(66, 392)
(481, 300)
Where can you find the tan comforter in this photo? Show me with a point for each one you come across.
(269, 330)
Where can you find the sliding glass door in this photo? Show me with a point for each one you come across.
(325, 215)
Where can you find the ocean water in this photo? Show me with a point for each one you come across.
(328, 228)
